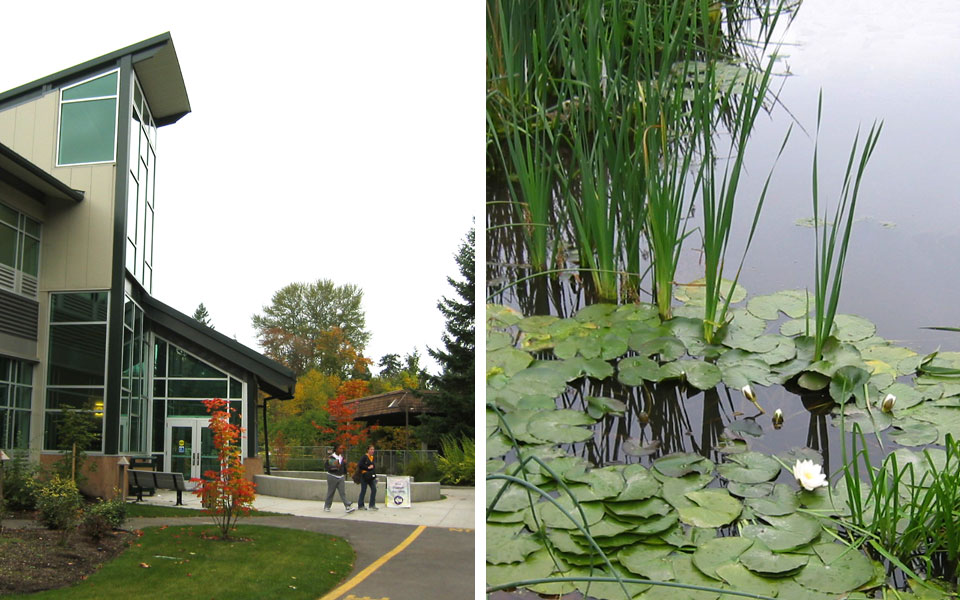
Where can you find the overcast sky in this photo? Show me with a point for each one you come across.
(327, 140)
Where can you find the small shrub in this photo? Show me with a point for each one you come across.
(456, 465)
(59, 503)
(422, 470)
(20, 485)
(104, 516)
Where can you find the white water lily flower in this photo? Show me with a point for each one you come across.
(809, 475)
(888, 402)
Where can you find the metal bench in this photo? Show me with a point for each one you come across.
(151, 480)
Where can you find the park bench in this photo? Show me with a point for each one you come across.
(151, 480)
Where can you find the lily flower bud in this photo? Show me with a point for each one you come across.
(888, 402)
(777, 419)
(749, 395)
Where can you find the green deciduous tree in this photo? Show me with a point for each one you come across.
(451, 410)
(302, 321)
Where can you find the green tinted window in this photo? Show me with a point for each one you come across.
(8, 215)
(78, 307)
(30, 251)
(87, 131)
(192, 388)
(97, 88)
(8, 245)
(77, 355)
(184, 365)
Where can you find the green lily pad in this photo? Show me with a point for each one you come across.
(650, 562)
(749, 467)
(717, 552)
(793, 303)
(506, 544)
(740, 579)
(499, 315)
(655, 525)
(682, 463)
(782, 501)
(667, 348)
(509, 359)
(701, 375)
(761, 561)
(634, 370)
(869, 421)
(836, 569)
(597, 407)
(846, 381)
(610, 590)
(604, 483)
(714, 508)
(536, 566)
(850, 328)
(695, 292)
(513, 499)
(784, 534)
(552, 516)
(813, 381)
(750, 490)
(914, 434)
(639, 484)
(560, 426)
(498, 445)
(651, 507)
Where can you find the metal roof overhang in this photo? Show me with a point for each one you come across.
(157, 67)
(21, 174)
(273, 378)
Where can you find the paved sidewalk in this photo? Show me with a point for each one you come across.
(456, 510)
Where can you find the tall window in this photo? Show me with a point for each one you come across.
(133, 386)
(19, 252)
(140, 182)
(181, 382)
(16, 379)
(76, 364)
(88, 121)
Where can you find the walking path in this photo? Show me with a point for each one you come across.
(423, 552)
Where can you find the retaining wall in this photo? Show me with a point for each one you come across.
(312, 485)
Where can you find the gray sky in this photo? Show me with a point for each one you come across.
(327, 140)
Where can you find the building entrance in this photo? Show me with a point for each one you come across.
(191, 451)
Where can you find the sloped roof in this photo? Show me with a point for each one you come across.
(388, 403)
(157, 67)
(19, 173)
(273, 378)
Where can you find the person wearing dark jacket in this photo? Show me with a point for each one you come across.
(336, 470)
(368, 479)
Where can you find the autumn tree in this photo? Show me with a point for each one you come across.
(343, 429)
(451, 410)
(399, 374)
(313, 326)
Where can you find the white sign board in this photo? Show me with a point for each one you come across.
(398, 492)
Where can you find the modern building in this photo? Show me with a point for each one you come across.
(81, 334)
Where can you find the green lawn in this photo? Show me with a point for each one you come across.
(272, 562)
(139, 509)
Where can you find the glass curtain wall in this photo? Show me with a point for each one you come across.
(16, 385)
(140, 196)
(181, 382)
(88, 121)
(133, 382)
(76, 365)
(19, 252)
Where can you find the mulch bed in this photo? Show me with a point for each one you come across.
(36, 559)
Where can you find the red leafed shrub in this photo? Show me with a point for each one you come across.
(225, 494)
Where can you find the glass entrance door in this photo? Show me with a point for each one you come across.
(190, 448)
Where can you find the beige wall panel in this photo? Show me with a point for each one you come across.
(78, 233)
(8, 121)
(45, 132)
(23, 133)
(100, 244)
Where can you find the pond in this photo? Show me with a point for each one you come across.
(871, 63)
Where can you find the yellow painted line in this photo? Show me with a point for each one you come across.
(359, 577)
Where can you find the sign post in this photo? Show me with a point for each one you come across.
(398, 492)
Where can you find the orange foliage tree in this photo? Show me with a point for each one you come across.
(345, 430)
(225, 494)
(355, 388)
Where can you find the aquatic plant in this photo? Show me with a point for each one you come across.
(829, 259)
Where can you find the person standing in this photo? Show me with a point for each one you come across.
(336, 471)
(368, 479)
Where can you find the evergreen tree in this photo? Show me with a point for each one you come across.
(202, 315)
(451, 409)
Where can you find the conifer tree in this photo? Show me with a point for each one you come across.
(450, 410)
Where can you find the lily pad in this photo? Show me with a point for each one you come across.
(836, 569)
(914, 434)
(682, 463)
(850, 328)
(718, 552)
(714, 508)
(869, 421)
(552, 516)
(782, 501)
(695, 292)
(749, 467)
(761, 561)
(536, 566)
(784, 534)
(639, 485)
(634, 370)
(793, 303)
(597, 407)
(560, 426)
(506, 544)
(650, 562)
(740, 579)
(510, 360)
(651, 507)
